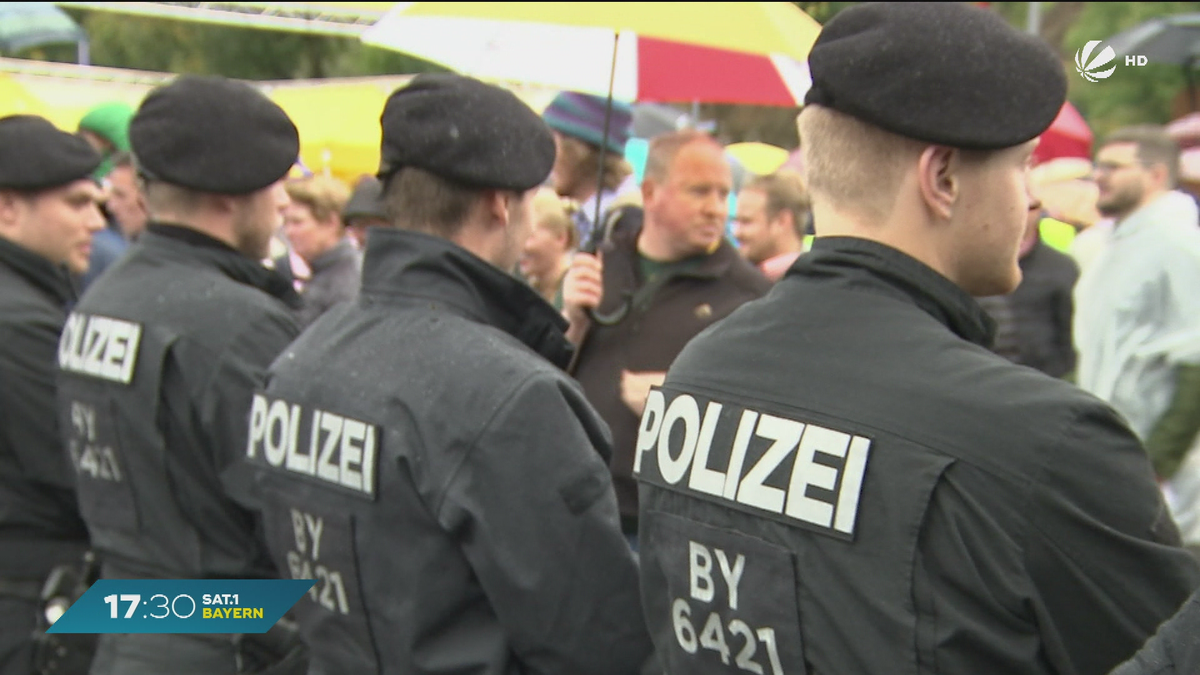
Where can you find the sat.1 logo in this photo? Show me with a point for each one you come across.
(1093, 68)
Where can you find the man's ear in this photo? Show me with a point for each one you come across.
(223, 203)
(8, 208)
(1161, 175)
(938, 177)
(649, 187)
(496, 205)
(785, 220)
(333, 222)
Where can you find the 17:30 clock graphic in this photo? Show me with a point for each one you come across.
(181, 606)
(167, 607)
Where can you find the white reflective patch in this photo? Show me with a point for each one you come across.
(703, 478)
(753, 490)
(652, 418)
(684, 410)
(852, 479)
(796, 472)
(99, 346)
(806, 472)
(338, 450)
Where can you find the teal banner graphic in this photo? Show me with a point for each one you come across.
(181, 606)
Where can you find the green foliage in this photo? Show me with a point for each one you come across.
(823, 11)
(145, 43)
(1133, 95)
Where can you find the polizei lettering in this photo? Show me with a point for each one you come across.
(99, 346)
(315, 443)
(796, 472)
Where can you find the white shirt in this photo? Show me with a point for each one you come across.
(1137, 310)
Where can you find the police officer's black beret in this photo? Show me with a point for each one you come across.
(945, 73)
(36, 155)
(211, 134)
(466, 131)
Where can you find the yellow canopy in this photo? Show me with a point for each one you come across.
(338, 125)
(758, 158)
(338, 121)
(16, 99)
(737, 26)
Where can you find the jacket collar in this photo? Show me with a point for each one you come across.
(712, 266)
(866, 263)
(341, 252)
(403, 266)
(1163, 211)
(182, 241)
(51, 278)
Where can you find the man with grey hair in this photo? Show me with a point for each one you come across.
(1137, 321)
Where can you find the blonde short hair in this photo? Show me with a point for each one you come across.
(785, 191)
(323, 195)
(552, 213)
(855, 165)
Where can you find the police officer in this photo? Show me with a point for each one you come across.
(160, 359)
(48, 214)
(841, 478)
(420, 452)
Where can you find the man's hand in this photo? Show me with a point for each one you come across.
(635, 387)
(583, 289)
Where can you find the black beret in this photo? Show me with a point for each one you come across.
(945, 73)
(36, 155)
(211, 134)
(466, 131)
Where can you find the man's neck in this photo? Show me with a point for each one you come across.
(1149, 198)
(657, 248)
(902, 231)
(785, 247)
(218, 229)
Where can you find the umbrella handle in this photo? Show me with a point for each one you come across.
(618, 315)
(608, 105)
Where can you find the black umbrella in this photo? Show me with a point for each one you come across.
(1166, 39)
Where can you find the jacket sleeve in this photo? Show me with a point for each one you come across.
(533, 507)
(28, 363)
(1064, 316)
(1175, 431)
(223, 403)
(1174, 649)
(1102, 552)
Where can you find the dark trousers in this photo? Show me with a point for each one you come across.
(18, 619)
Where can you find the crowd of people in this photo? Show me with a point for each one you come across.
(570, 424)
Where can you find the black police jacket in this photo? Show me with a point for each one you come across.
(159, 362)
(421, 457)
(39, 517)
(1174, 649)
(840, 478)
